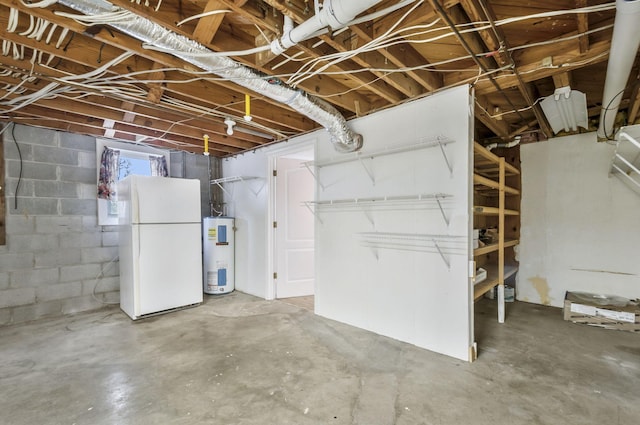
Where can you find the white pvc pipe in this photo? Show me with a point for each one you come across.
(624, 47)
(334, 13)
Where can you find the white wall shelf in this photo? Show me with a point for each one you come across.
(367, 204)
(625, 159)
(233, 179)
(444, 245)
(362, 156)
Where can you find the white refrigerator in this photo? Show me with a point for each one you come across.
(160, 244)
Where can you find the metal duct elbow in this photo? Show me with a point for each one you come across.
(343, 138)
(624, 47)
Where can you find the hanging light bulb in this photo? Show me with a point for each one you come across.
(229, 123)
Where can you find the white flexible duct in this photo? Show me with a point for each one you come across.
(624, 47)
(343, 138)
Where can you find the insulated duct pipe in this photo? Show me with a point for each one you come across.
(624, 47)
(334, 13)
(343, 138)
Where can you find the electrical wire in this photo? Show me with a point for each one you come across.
(202, 15)
(15, 194)
(604, 116)
(99, 278)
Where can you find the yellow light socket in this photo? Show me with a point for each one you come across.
(206, 144)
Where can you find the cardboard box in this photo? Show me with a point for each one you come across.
(605, 311)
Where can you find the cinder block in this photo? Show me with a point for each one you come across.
(110, 269)
(87, 191)
(58, 224)
(53, 189)
(80, 240)
(55, 155)
(106, 284)
(78, 174)
(17, 296)
(78, 142)
(60, 257)
(11, 151)
(99, 255)
(32, 170)
(110, 299)
(36, 135)
(87, 160)
(32, 243)
(176, 164)
(78, 207)
(4, 280)
(110, 238)
(31, 312)
(35, 206)
(5, 316)
(58, 291)
(34, 277)
(20, 224)
(90, 224)
(110, 228)
(11, 184)
(79, 272)
(78, 304)
(15, 261)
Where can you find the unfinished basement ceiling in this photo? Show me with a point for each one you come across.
(513, 53)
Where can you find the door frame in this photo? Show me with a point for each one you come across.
(287, 149)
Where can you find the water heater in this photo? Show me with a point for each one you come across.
(218, 249)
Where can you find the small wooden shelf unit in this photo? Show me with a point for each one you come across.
(496, 185)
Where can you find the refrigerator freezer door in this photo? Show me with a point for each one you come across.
(169, 267)
(162, 199)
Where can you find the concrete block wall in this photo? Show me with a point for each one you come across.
(57, 260)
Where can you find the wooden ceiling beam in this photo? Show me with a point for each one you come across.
(482, 112)
(196, 145)
(562, 79)
(170, 128)
(474, 11)
(583, 26)
(346, 101)
(373, 60)
(83, 48)
(207, 26)
(404, 56)
(563, 62)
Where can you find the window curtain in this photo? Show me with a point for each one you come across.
(158, 165)
(109, 167)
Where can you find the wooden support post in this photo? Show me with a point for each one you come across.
(501, 242)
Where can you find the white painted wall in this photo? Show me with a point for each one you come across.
(579, 227)
(409, 296)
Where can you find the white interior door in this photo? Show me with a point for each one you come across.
(295, 229)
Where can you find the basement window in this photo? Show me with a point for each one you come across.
(126, 159)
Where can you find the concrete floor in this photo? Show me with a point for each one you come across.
(242, 360)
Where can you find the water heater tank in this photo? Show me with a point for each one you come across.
(218, 249)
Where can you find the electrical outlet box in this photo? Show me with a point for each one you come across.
(547, 62)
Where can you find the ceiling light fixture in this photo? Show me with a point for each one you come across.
(566, 109)
(229, 123)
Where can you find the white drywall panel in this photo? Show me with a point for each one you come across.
(250, 211)
(410, 296)
(579, 225)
